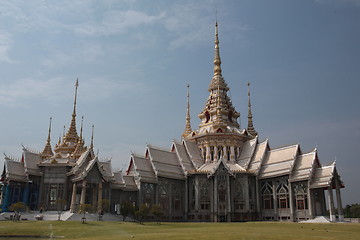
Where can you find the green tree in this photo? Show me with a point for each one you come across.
(18, 208)
(127, 209)
(142, 213)
(157, 212)
(105, 205)
(60, 203)
(84, 208)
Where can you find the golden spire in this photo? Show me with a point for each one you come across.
(187, 130)
(80, 144)
(92, 138)
(219, 111)
(217, 60)
(250, 127)
(71, 135)
(47, 152)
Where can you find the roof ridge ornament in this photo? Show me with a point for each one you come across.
(187, 130)
(250, 127)
(47, 151)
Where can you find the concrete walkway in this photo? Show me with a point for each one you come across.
(65, 216)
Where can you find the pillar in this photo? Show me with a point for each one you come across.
(331, 204)
(196, 193)
(310, 202)
(83, 192)
(232, 154)
(257, 192)
(246, 192)
(225, 154)
(208, 155)
(228, 198)
(291, 202)
(26, 194)
(339, 202)
(73, 199)
(215, 200)
(99, 198)
(275, 202)
(186, 202)
(216, 154)
(6, 202)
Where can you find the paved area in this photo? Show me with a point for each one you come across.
(65, 216)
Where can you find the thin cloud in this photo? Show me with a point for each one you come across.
(116, 22)
(5, 47)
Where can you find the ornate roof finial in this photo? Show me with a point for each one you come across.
(92, 137)
(47, 152)
(81, 129)
(187, 130)
(217, 60)
(250, 127)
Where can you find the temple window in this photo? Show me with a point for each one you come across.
(283, 196)
(266, 194)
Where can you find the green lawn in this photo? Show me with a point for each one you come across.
(196, 231)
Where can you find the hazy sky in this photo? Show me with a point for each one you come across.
(135, 58)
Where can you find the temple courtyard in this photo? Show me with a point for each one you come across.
(170, 230)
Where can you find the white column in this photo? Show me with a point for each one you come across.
(246, 192)
(225, 155)
(73, 199)
(331, 204)
(258, 206)
(310, 201)
(291, 202)
(228, 198)
(196, 193)
(99, 198)
(208, 155)
(275, 202)
(216, 153)
(339, 202)
(232, 154)
(215, 199)
(83, 192)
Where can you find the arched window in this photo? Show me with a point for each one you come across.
(266, 194)
(283, 196)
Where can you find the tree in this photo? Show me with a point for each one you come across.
(157, 212)
(105, 205)
(352, 211)
(60, 203)
(127, 209)
(18, 208)
(142, 213)
(84, 208)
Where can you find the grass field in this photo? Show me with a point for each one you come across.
(196, 231)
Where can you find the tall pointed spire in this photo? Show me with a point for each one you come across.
(217, 60)
(218, 115)
(250, 127)
(187, 130)
(47, 152)
(71, 135)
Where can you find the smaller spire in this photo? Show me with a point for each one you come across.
(187, 130)
(47, 152)
(250, 127)
(81, 129)
(92, 138)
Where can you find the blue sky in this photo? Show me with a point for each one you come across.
(134, 59)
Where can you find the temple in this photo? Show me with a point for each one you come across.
(219, 172)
